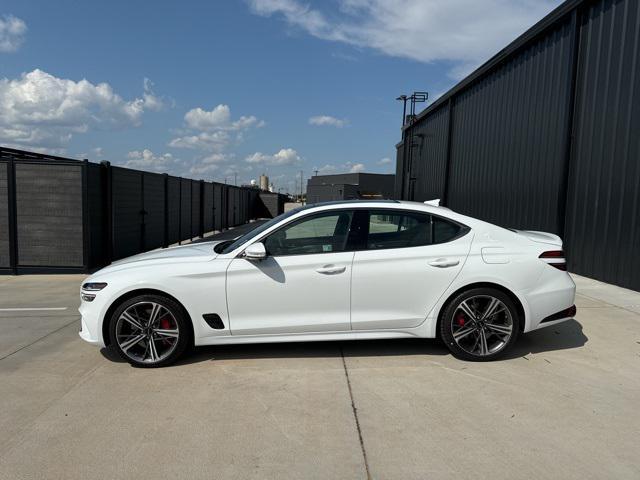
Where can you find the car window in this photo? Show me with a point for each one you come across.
(392, 229)
(444, 231)
(321, 233)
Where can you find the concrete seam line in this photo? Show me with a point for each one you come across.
(41, 338)
(355, 415)
(35, 309)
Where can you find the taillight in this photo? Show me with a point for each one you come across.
(555, 258)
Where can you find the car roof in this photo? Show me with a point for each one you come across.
(347, 202)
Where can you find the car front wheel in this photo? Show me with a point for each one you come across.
(149, 331)
(480, 324)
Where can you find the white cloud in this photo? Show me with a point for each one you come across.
(327, 120)
(464, 32)
(384, 161)
(147, 160)
(39, 110)
(151, 101)
(213, 130)
(286, 156)
(214, 141)
(349, 167)
(357, 168)
(12, 32)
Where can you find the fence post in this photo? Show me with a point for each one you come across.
(165, 239)
(180, 211)
(86, 228)
(202, 194)
(12, 211)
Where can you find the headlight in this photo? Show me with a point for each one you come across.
(93, 287)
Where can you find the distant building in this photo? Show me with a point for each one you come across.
(264, 183)
(349, 186)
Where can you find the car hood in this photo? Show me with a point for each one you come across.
(197, 252)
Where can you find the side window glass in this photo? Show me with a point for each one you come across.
(323, 233)
(444, 231)
(391, 229)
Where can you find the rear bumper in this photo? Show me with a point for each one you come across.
(551, 302)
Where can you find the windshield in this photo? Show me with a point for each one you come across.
(231, 245)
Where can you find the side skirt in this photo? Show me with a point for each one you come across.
(309, 337)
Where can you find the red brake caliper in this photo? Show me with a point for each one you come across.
(165, 324)
(460, 319)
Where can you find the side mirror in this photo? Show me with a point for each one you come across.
(255, 251)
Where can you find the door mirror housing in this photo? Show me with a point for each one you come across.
(255, 251)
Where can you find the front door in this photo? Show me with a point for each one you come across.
(302, 286)
(409, 260)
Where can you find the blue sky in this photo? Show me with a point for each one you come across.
(211, 89)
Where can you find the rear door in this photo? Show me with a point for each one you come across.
(407, 261)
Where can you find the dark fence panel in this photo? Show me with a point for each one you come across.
(603, 208)
(173, 209)
(195, 208)
(49, 213)
(185, 209)
(207, 205)
(60, 214)
(97, 209)
(5, 256)
(508, 138)
(127, 208)
(218, 205)
(154, 210)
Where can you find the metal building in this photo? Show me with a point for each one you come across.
(545, 136)
(349, 186)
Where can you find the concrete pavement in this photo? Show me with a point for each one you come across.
(563, 405)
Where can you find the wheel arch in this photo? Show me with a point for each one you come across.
(512, 296)
(134, 293)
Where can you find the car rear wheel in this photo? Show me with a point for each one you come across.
(149, 331)
(480, 324)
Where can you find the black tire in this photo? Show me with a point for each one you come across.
(170, 349)
(455, 321)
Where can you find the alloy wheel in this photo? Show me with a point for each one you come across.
(147, 332)
(482, 325)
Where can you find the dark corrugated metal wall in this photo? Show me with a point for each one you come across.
(546, 138)
(428, 159)
(507, 138)
(603, 208)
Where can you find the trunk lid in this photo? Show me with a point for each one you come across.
(541, 237)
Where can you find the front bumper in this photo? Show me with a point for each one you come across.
(90, 325)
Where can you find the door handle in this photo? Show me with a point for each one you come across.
(444, 262)
(330, 269)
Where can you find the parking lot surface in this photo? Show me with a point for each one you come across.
(563, 405)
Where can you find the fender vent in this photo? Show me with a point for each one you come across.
(213, 320)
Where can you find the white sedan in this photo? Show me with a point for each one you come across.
(335, 271)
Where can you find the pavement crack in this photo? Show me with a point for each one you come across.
(355, 415)
(41, 338)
